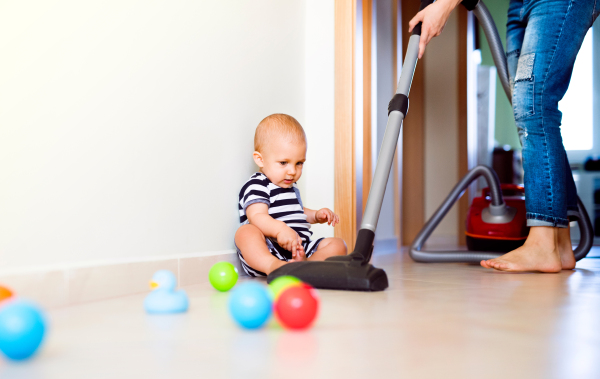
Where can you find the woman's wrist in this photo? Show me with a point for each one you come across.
(452, 3)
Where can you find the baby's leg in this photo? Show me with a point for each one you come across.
(329, 247)
(251, 242)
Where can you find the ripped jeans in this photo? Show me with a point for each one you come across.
(543, 39)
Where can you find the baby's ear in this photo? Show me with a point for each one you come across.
(258, 159)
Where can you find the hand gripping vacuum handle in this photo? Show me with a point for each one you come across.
(417, 29)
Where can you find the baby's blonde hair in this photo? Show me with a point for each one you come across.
(278, 125)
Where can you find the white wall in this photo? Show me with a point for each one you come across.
(317, 183)
(441, 124)
(126, 126)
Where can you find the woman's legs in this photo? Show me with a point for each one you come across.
(543, 39)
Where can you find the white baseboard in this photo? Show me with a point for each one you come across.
(385, 246)
(68, 284)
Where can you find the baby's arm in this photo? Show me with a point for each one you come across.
(258, 215)
(321, 216)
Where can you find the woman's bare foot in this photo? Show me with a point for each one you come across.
(565, 249)
(539, 253)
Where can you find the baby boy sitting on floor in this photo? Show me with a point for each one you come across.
(275, 225)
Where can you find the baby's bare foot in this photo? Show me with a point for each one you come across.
(300, 255)
(539, 253)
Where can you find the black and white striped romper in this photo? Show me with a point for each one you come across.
(285, 205)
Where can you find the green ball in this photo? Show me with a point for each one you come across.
(223, 276)
(277, 286)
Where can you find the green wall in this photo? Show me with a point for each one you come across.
(506, 130)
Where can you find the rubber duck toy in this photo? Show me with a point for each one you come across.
(164, 298)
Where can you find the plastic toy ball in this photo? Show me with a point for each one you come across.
(223, 276)
(5, 293)
(22, 328)
(297, 307)
(282, 283)
(250, 305)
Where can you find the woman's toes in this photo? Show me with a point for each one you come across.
(491, 263)
(499, 266)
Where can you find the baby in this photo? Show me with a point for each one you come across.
(275, 225)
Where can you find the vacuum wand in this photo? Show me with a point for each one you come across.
(397, 111)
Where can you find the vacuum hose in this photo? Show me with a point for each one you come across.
(586, 233)
(498, 55)
(419, 255)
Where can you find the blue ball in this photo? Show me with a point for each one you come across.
(250, 305)
(22, 328)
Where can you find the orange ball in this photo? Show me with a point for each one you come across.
(5, 293)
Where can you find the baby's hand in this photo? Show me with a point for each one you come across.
(327, 215)
(289, 240)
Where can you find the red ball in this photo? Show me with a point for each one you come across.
(297, 307)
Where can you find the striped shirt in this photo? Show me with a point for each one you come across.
(284, 203)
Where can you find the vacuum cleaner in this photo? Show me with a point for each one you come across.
(353, 271)
(496, 222)
(484, 232)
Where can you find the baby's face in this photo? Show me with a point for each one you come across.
(282, 161)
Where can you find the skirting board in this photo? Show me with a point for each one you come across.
(72, 284)
(385, 246)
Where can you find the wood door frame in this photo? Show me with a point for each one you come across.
(463, 154)
(367, 162)
(413, 144)
(347, 200)
(345, 169)
(409, 175)
(397, 167)
(413, 147)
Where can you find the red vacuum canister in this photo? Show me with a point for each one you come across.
(500, 237)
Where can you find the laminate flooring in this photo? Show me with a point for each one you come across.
(434, 321)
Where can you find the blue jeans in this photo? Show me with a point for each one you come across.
(543, 39)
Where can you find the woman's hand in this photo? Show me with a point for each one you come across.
(434, 18)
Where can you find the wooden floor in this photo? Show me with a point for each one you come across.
(435, 321)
